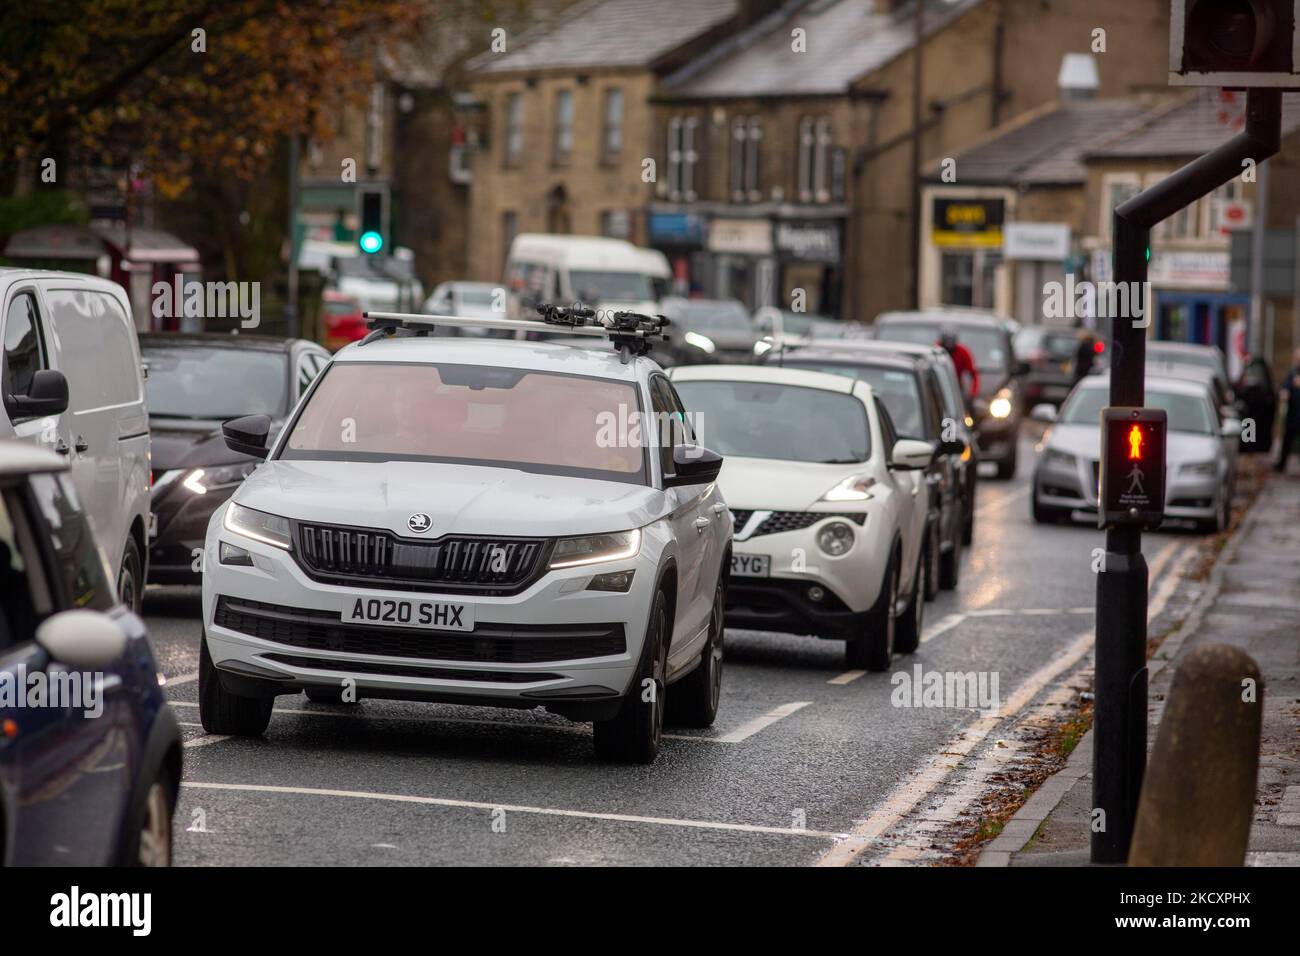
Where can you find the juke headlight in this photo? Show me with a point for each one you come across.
(258, 525)
(836, 538)
(595, 548)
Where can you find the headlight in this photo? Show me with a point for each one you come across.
(202, 480)
(836, 538)
(258, 525)
(853, 488)
(1000, 407)
(595, 548)
(701, 342)
(1058, 459)
(1201, 468)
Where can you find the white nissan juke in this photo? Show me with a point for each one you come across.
(476, 521)
(830, 506)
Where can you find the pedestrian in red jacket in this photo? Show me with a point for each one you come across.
(967, 374)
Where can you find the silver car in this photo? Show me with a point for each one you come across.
(1201, 458)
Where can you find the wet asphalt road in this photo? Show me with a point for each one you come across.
(802, 749)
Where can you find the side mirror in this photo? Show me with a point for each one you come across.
(1043, 412)
(47, 395)
(248, 435)
(909, 454)
(1231, 428)
(82, 639)
(694, 465)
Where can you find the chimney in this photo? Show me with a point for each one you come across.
(1078, 78)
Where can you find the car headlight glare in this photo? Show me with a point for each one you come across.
(701, 342)
(853, 488)
(835, 538)
(202, 480)
(258, 525)
(595, 548)
(1000, 407)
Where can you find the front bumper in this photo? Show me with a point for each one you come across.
(1187, 497)
(996, 437)
(271, 629)
(180, 526)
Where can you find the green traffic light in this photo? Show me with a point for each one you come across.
(1148, 253)
(371, 242)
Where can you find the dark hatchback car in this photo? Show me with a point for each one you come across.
(998, 408)
(706, 332)
(195, 383)
(918, 388)
(89, 771)
(1049, 355)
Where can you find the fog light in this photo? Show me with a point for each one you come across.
(236, 556)
(836, 538)
(619, 581)
(816, 594)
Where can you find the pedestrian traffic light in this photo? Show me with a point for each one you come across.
(1132, 471)
(1233, 43)
(373, 206)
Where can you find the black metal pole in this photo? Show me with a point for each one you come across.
(1120, 724)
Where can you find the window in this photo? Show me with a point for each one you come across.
(806, 142)
(509, 229)
(20, 599)
(102, 367)
(514, 133)
(207, 382)
(682, 158)
(814, 159)
(614, 223)
(80, 562)
(613, 123)
(746, 135)
(24, 353)
(309, 366)
(563, 126)
(1116, 190)
(662, 407)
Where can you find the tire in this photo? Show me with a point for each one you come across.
(931, 560)
(222, 712)
(326, 695)
(907, 631)
(693, 701)
(1007, 466)
(874, 648)
(968, 521)
(130, 577)
(950, 565)
(634, 733)
(151, 826)
(1222, 515)
(1043, 514)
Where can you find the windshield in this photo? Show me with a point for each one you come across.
(475, 295)
(1201, 359)
(712, 317)
(786, 422)
(539, 422)
(211, 383)
(898, 389)
(1187, 413)
(599, 286)
(987, 346)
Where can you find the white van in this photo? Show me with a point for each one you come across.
(72, 382)
(599, 272)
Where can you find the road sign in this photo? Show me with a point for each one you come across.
(1132, 467)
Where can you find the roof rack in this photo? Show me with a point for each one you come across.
(631, 332)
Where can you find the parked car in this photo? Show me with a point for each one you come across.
(998, 408)
(342, 320)
(707, 331)
(605, 273)
(474, 540)
(89, 778)
(1169, 357)
(1200, 458)
(908, 379)
(1049, 354)
(830, 506)
(72, 382)
(196, 382)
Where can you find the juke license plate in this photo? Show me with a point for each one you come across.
(751, 565)
(434, 615)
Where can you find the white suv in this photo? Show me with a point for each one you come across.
(830, 506)
(481, 521)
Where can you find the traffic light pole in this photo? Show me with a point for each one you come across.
(1120, 724)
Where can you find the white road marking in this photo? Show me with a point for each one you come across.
(945, 624)
(509, 808)
(909, 794)
(179, 679)
(848, 677)
(205, 740)
(743, 730)
(751, 727)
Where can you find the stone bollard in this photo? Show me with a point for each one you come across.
(1198, 797)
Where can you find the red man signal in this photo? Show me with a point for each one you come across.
(1135, 444)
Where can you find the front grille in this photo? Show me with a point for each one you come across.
(400, 670)
(487, 643)
(453, 563)
(779, 521)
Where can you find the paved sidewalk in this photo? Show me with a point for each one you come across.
(1252, 601)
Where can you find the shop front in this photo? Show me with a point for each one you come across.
(810, 254)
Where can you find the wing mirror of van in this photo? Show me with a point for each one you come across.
(47, 395)
(693, 465)
(247, 435)
(82, 639)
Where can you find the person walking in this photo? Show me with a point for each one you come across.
(1084, 355)
(967, 374)
(1290, 394)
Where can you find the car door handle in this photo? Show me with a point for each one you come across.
(62, 447)
(701, 524)
(81, 445)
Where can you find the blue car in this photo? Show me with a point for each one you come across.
(90, 752)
